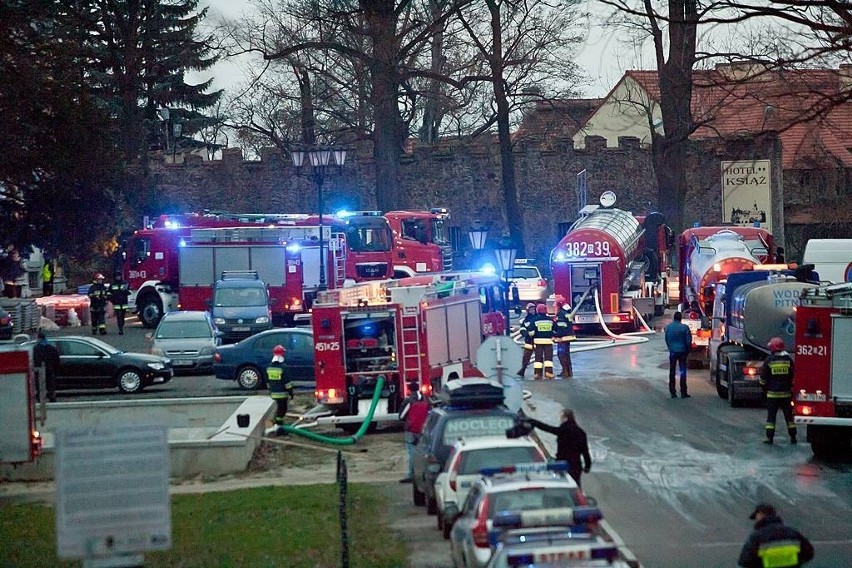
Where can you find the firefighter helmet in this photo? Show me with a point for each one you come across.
(531, 306)
(99, 276)
(560, 299)
(541, 309)
(775, 345)
(278, 351)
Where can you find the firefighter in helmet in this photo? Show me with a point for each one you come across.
(119, 295)
(776, 378)
(525, 333)
(541, 330)
(563, 335)
(280, 387)
(98, 296)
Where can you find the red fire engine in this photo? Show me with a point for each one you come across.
(421, 241)
(822, 386)
(20, 441)
(423, 328)
(609, 262)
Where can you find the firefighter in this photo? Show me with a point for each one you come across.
(98, 295)
(119, 295)
(776, 378)
(564, 335)
(541, 330)
(772, 543)
(280, 387)
(528, 344)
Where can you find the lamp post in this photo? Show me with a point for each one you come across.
(173, 131)
(177, 129)
(477, 234)
(320, 158)
(505, 255)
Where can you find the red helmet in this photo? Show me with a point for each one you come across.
(531, 306)
(278, 351)
(560, 299)
(541, 309)
(775, 345)
(99, 276)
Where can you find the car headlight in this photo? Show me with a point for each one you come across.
(218, 321)
(206, 351)
(156, 351)
(262, 319)
(157, 366)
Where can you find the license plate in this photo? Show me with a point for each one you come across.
(158, 379)
(242, 329)
(181, 363)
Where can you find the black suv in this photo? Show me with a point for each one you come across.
(444, 425)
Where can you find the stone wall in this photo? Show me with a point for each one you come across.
(465, 178)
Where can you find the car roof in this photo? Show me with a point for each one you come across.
(513, 481)
(448, 410)
(240, 283)
(186, 315)
(485, 442)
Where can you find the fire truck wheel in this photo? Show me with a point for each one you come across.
(129, 381)
(732, 392)
(150, 310)
(417, 496)
(721, 389)
(249, 378)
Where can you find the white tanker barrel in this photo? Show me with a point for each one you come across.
(717, 256)
(604, 233)
(761, 311)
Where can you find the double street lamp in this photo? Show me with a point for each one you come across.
(319, 158)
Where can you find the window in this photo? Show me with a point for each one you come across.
(79, 349)
(474, 461)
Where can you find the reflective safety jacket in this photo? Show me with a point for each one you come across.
(279, 387)
(541, 329)
(119, 295)
(525, 333)
(564, 330)
(98, 296)
(777, 375)
(775, 545)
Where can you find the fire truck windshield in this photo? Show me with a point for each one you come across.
(440, 232)
(368, 239)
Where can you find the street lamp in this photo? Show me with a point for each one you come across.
(477, 234)
(320, 158)
(173, 130)
(505, 255)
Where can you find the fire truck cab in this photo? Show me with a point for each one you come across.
(21, 441)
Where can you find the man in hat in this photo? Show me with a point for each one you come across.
(772, 543)
(414, 410)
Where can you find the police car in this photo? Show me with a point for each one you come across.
(468, 457)
(547, 539)
(526, 277)
(515, 490)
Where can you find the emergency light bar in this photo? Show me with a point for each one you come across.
(563, 555)
(532, 467)
(561, 517)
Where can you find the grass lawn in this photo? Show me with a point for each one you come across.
(268, 526)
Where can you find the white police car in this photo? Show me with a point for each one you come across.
(510, 491)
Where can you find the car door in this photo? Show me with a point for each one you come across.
(261, 350)
(82, 365)
(299, 361)
(423, 449)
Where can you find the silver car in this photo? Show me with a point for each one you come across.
(189, 339)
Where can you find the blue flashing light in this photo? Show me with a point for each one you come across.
(557, 466)
(488, 269)
(696, 225)
(343, 214)
(521, 560)
(560, 256)
(580, 515)
(172, 224)
(294, 248)
(182, 243)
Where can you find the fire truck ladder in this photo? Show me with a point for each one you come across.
(339, 255)
(410, 348)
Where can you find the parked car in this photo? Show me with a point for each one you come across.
(526, 277)
(245, 362)
(445, 425)
(7, 326)
(240, 305)
(496, 494)
(468, 457)
(188, 338)
(551, 544)
(89, 363)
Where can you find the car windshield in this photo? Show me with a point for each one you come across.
(476, 426)
(532, 499)
(472, 462)
(240, 297)
(523, 272)
(183, 330)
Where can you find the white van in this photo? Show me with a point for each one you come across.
(832, 259)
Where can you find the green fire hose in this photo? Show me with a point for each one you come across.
(349, 440)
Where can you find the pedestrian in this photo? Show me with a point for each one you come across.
(572, 444)
(98, 296)
(776, 378)
(541, 330)
(772, 543)
(47, 278)
(280, 387)
(564, 335)
(47, 355)
(119, 295)
(528, 344)
(679, 342)
(414, 410)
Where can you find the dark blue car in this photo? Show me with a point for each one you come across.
(246, 361)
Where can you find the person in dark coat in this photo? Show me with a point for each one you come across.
(772, 543)
(776, 378)
(528, 342)
(572, 444)
(48, 355)
(414, 411)
(98, 296)
(119, 296)
(678, 342)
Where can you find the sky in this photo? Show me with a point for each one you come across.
(602, 57)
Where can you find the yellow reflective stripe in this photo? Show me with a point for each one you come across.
(778, 555)
(771, 394)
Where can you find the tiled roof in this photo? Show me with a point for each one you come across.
(727, 101)
(555, 118)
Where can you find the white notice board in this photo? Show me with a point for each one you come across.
(112, 491)
(747, 193)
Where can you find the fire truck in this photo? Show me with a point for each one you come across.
(749, 309)
(20, 442)
(707, 256)
(421, 241)
(822, 383)
(610, 262)
(424, 328)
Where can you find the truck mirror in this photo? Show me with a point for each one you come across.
(516, 296)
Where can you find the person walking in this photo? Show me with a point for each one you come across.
(47, 278)
(776, 378)
(678, 341)
(541, 331)
(528, 344)
(98, 296)
(119, 296)
(280, 387)
(46, 356)
(772, 543)
(564, 335)
(414, 410)
(572, 444)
